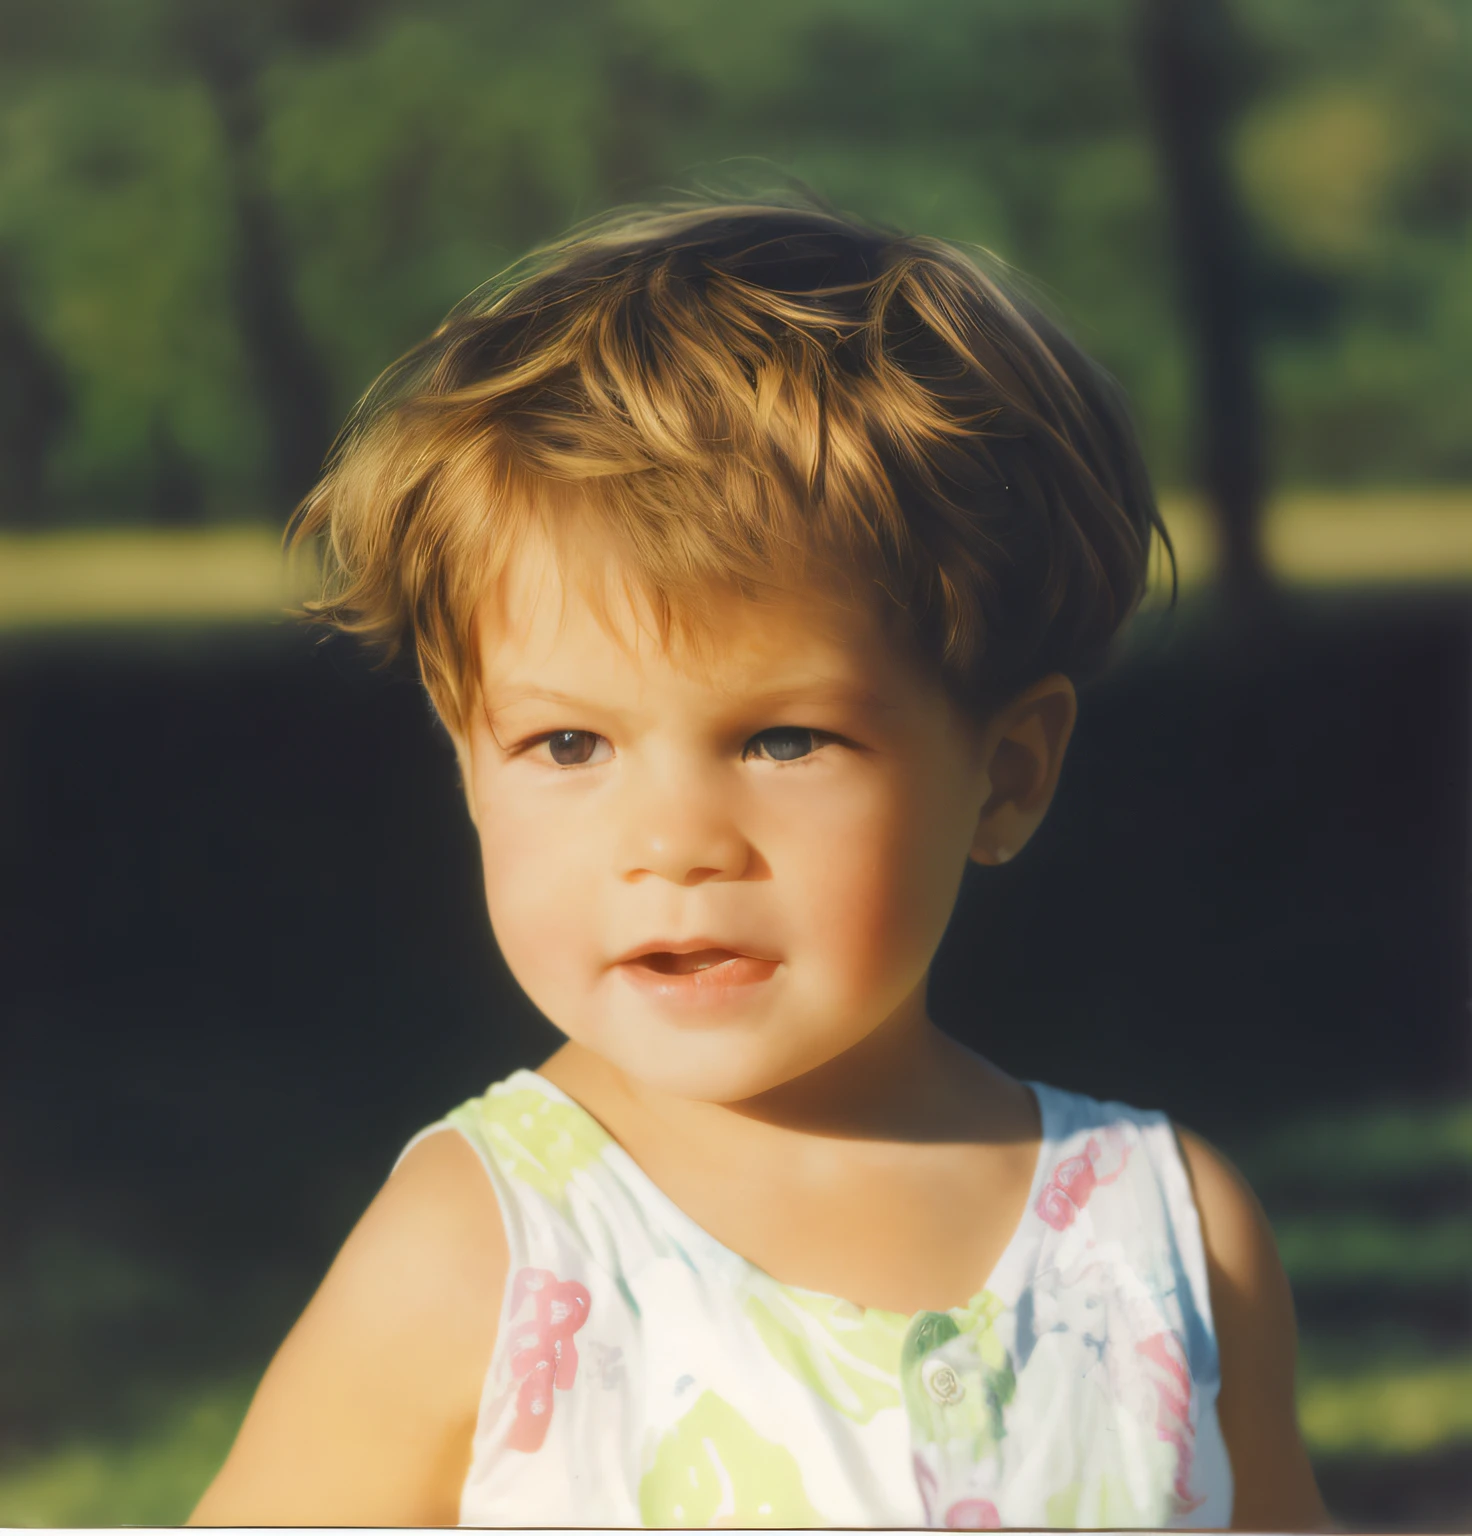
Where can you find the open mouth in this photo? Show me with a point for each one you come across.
(702, 980)
(668, 964)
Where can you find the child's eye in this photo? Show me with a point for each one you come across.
(570, 749)
(799, 732)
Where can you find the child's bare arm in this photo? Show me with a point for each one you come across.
(366, 1414)
(1258, 1342)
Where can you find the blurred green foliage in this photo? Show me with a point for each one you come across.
(191, 188)
(1392, 1254)
(1396, 1141)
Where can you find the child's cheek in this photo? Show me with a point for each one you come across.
(880, 899)
(539, 892)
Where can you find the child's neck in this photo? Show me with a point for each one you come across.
(893, 1176)
(907, 1082)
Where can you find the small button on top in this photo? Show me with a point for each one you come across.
(941, 1381)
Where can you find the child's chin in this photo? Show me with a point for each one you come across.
(712, 1066)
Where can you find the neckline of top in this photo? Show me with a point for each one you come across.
(728, 1257)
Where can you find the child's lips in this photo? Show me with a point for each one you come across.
(703, 977)
(669, 953)
(679, 965)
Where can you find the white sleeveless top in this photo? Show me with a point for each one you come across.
(646, 1375)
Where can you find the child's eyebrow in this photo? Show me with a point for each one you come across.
(815, 691)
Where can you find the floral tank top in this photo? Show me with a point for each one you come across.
(646, 1375)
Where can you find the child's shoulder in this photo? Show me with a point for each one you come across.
(438, 1205)
(1257, 1337)
(1250, 1301)
(367, 1412)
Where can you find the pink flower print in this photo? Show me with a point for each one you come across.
(1172, 1382)
(1068, 1190)
(1075, 1178)
(543, 1354)
(973, 1515)
(964, 1514)
(1056, 1208)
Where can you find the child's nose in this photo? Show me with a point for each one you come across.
(684, 836)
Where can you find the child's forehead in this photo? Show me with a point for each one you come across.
(548, 610)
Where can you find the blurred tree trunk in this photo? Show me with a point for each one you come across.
(34, 406)
(227, 46)
(1189, 66)
(176, 490)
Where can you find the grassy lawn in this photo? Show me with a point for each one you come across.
(237, 573)
(1389, 1394)
(151, 1476)
(1389, 1408)
(66, 580)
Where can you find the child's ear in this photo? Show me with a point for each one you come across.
(1019, 772)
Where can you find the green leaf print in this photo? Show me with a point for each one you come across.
(713, 1469)
(537, 1140)
(1115, 1507)
(849, 1357)
(957, 1377)
(1062, 1507)
(978, 1319)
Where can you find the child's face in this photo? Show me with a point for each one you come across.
(668, 813)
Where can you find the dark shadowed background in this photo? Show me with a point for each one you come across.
(243, 950)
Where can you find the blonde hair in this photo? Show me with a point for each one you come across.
(750, 397)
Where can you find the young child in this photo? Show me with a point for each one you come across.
(751, 558)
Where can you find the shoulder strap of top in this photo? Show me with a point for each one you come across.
(1151, 1214)
(557, 1176)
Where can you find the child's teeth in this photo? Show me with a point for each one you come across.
(685, 964)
